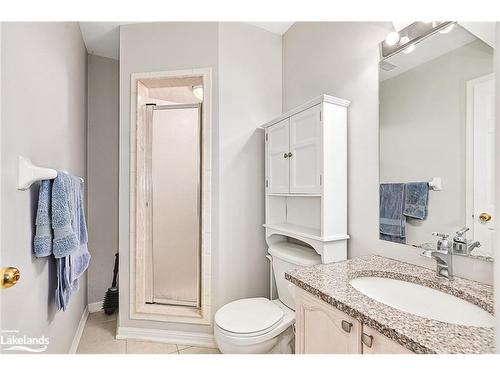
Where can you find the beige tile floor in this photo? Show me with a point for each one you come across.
(99, 338)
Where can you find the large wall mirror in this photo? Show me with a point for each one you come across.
(437, 142)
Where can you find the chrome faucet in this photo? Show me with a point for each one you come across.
(443, 256)
(461, 245)
(472, 246)
(460, 242)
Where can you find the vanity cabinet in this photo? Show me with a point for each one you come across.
(323, 329)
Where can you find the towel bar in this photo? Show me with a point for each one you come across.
(436, 184)
(28, 173)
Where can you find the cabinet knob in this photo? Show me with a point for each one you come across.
(285, 155)
(346, 326)
(367, 340)
(290, 154)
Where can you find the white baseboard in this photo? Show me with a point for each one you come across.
(95, 307)
(168, 337)
(79, 331)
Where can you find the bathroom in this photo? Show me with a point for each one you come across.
(273, 237)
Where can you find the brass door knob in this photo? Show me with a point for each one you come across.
(9, 276)
(484, 217)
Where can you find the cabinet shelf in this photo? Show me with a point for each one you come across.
(301, 231)
(294, 195)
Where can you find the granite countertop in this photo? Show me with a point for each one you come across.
(330, 282)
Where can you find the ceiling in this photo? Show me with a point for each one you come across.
(103, 38)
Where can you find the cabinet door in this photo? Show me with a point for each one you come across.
(376, 343)
(305, 149)
(278, 169)
(322, 329)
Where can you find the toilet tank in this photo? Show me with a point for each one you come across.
(286, 257)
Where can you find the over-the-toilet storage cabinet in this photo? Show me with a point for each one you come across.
(306, 176)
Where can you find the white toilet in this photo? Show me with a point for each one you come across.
(259, 325)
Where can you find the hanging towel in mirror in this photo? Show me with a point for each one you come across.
(392, 222)
(416, 200)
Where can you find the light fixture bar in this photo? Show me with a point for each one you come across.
(412, 35)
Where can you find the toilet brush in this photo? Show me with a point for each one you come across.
(110, 303)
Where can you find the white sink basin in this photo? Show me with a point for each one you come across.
(423, 301)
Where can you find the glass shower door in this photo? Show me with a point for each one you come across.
(175, 205)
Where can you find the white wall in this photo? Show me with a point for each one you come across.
(153, 47)
(246, 63)
(102, 165)
(44, 79)
(341, 59)
(423, 133)
(250, 67)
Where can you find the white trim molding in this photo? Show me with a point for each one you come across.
(138, 240)
(469, 149)
(169, 337)
(95, 307)
(79, 331)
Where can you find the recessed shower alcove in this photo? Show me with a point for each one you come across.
(170, 180)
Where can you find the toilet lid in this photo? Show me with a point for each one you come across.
(248, 315)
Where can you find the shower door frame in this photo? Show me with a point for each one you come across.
(138, 215)
(150, 109)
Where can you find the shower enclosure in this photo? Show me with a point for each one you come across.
(170, 196)
(174, 204)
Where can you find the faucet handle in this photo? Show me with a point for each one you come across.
(462, 231)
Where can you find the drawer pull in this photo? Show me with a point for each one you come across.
(346, 326)
(367, 340)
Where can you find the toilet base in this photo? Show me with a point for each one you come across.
(281, 344)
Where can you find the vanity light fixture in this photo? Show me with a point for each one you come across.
(406, 39)
(409, 49)
(447, 29)
(392, 38)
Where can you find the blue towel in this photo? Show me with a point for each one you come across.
(416, 200)
(70, 236)
(80, 257)
(392, 222)
(60, 210)
(42, 243)
(66, 237)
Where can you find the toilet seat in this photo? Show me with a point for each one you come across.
(249, 317)
(259, 341)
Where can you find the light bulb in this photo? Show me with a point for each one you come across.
(392, 38)
(447, 29)
(198, 92)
